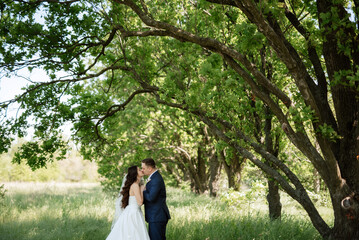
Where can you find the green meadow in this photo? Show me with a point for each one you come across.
(46, 211)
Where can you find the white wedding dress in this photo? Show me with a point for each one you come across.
(130, 224)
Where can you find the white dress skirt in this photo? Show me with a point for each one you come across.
(130, 224)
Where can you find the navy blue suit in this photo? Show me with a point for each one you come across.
(156, 210)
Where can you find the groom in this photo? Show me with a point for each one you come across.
(154, 195)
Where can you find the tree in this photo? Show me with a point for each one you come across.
(214, 44)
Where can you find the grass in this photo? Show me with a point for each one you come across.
(82, 211)
(54, 211)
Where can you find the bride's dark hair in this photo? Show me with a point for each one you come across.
(130, 179)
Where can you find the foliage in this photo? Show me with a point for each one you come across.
(244, 198)
(73, 168)
(322, 198)
(250, 199)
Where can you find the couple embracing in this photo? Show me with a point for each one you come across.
(128, 222)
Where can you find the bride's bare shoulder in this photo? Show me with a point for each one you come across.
(135, 185)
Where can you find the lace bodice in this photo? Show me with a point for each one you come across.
(132, 201)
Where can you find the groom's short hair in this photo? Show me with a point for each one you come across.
(149, 162)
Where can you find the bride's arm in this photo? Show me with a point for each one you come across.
(142, 188)
(138, 194)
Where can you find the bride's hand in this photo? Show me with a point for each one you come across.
(143, 188)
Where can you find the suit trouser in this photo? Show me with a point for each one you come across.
(157, 230)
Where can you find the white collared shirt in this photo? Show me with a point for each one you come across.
(149, 178)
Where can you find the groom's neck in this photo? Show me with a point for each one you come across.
(153, 170)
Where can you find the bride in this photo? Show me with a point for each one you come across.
(129, 222)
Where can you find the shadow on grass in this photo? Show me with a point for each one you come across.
(49, 213)
(242, 228)
(53, 228)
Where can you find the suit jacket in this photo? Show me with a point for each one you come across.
(154, 196)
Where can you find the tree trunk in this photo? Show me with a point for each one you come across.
(345, 198)
(214, 169)
(233, 169)
(192, 171)
(346, 217)
(273, 198)
(201, 185)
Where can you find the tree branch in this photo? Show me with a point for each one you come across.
(224, 2)
(313, 56)
(118, 107)
(209, 43)
(41, 84)
(104, 45)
